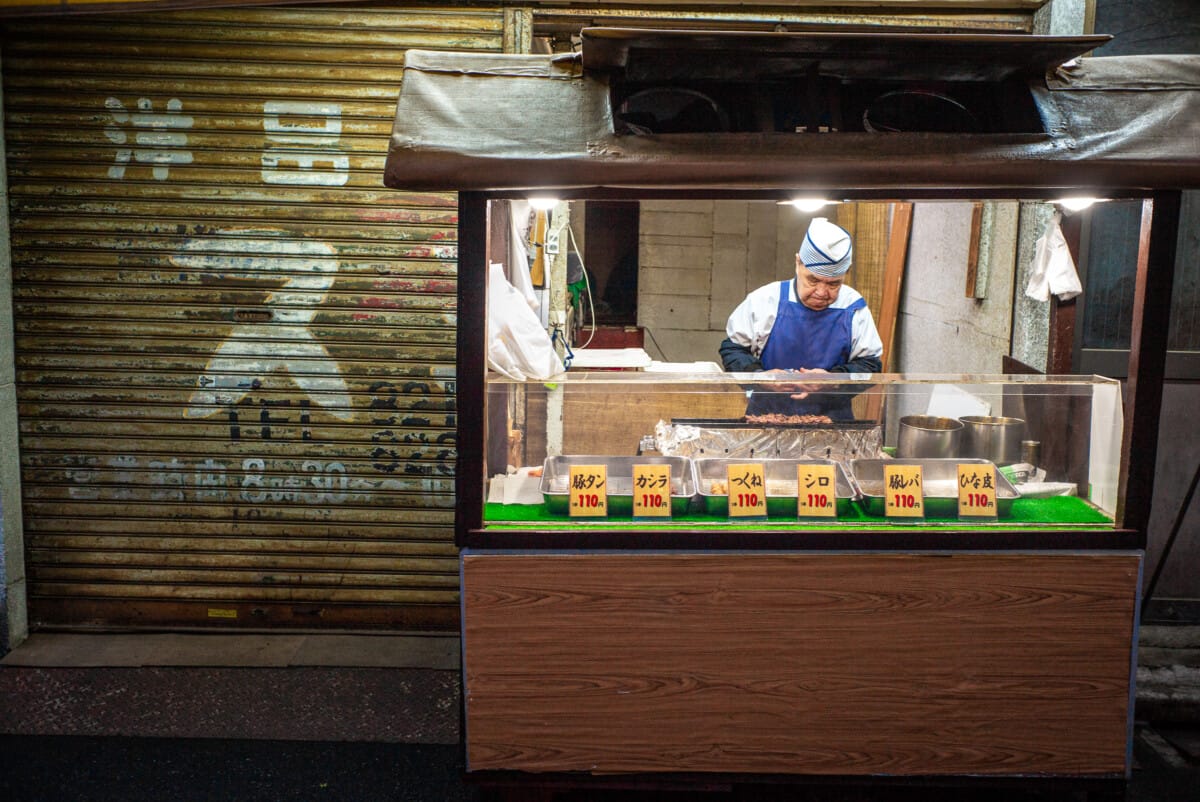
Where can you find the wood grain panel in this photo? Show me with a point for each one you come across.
(799, 663)
(608, 423)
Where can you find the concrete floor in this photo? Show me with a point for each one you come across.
(379, 688)
(215, 716)
(74, 650)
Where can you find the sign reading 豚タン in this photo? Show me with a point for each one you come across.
(904, 491)
(976, 491)
(747, 490)
(816, 491)
(589, 491)
(651, 491)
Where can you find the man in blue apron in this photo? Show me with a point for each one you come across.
(807, 325)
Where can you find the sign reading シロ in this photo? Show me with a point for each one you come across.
(816, 491)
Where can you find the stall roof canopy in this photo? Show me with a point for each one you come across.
(659, 55)
(793, 112)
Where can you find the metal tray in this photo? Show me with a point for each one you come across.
(742, 423)
(780, 475)
(556, 472)
(695, 438)
(940, 478)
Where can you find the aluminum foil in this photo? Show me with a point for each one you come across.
(825, 442)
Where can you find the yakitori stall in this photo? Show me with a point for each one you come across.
(668, 589)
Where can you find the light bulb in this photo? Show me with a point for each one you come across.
(543, 203)
(1077, 204)
(809, 204)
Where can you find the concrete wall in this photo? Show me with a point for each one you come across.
(1064, 17)
(1148, 26)
(1178, 460)
(940, 329)
(696, 262)
(698, 259)
(1031, 319)
(13, 619)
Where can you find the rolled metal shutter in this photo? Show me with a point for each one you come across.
(235, 348)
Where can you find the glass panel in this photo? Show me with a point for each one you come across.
(1112, 268)
(1111, 271)
(1053, 440)
(1185, 298)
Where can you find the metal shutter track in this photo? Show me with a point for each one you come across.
(235, 348)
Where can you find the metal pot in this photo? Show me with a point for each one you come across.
(928, 436)
(993, 438)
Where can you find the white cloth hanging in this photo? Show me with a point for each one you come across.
(518, 346)
(1053, 268)
(520, 215)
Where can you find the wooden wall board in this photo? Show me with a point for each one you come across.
(613, 423)
(818, 663)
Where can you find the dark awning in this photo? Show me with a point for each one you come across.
(753, 55)
(504, 122)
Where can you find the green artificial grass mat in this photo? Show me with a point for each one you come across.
(1042, 513)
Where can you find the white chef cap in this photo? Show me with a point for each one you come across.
(827, 248)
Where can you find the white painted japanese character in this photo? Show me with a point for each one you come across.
(158, 132)
(256, 349)
(123, 478)
(305, 136)
(167, 478)
(210, 480)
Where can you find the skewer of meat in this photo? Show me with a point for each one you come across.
(776, 419)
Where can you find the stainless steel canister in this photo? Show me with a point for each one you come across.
(928, 436)
(995, 439)
(1031, 452)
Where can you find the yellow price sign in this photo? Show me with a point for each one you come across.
(747, 490)
(816, 491)
(904, 494)
(589, 491)
(976, 491)
(651, 491)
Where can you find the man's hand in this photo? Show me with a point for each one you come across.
(809, 387)
(799, 390)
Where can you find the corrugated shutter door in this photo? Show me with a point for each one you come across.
(235, 348)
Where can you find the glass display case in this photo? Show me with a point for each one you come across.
(769, 574)
(642, 449)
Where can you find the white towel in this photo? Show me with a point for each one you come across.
(1053, 268)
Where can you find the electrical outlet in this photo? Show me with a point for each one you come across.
(551, 242)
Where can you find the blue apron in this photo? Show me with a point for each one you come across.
(806, 338)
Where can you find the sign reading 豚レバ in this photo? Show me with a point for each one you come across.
(651, 491)
(976, 491)
(747, 490)
(816, 491)
(589, 491)
(903, 490)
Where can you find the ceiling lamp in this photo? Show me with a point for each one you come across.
(809, 204)
(1076, 204)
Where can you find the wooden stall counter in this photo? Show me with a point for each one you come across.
(817, 663)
